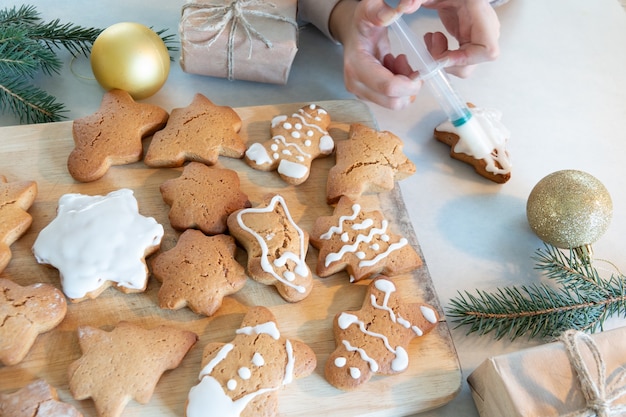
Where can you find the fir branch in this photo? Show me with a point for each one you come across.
(29, 103)
(23, 56)
(583, 302)
(25, 15)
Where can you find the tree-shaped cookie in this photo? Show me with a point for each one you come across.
(15, 199)
(198, 272)
(276, 247)
(200, 132)
(25, 313)
(244, 377)
(113, 135)
(296, 141)
(37, 399)
(125, 364)
(360, 242)
(368, 162)
(203, 197)
(375, 339)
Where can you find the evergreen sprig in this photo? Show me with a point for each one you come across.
(582, 301)
(28, 46)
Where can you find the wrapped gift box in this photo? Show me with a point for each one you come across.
(254, 40)
(542, 381)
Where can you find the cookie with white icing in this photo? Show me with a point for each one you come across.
(296, 141)
(376, 338)
(360, 242)
(370, 161)
(481, 142)
(99, 241)
(276, 247)
(37, 399)
(244, 377)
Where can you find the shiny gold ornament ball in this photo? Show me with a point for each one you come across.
(569, 209)
(131, 57)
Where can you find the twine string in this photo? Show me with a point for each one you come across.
(216, 18)
(599, 395)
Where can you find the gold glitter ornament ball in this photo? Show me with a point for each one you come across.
(132, 57)
(569, 209)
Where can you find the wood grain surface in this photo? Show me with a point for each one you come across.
(39, 152)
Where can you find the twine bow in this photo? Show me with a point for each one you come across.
(599, 395)
(219, 17)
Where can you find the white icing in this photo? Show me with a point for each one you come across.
(244, 373)
(301, 267)
(258, 360)
(355, 373)
(364, 356)
(292, 169)
(401, 361)
(95, 239)
(340, 362)
(429, 314)
(483, 136)
(268, 328)
(257, 153)
(231, 384)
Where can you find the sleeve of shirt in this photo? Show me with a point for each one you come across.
(317, 12)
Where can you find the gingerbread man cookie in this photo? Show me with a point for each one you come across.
(243, 377)
(37, 399)
(199, 271)
(360, 242)
(203, 197)
(200, 132)
(296, 141)
(375, 339)
(368, 162)
(125, 363)
(15, 199)
(113, 135)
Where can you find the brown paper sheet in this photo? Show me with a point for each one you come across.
(540, 381)
(252, 60)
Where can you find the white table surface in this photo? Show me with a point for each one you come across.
(560, 82)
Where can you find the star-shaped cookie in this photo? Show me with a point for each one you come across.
(125, 364)
(15, 199)
(37, 399)
(244, 377)
(25, 313)
(360, 242)
(296, 141)
(198, 272)
(112, 136)
(370, 161)
(203, 197)
(375, 339)
(276, 247)
(200, 132)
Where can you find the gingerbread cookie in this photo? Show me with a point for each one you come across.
(203, 197)
(375, 339)
(37, 399)
(199, 132)
(243, 377)
(25, 313)
(99, 241)
(15, 199)
(479, 142)
(125, 364)
(360, 242)
(368, 162)
(296, 141)
(198, 272)
(276, 247)
(113, 135)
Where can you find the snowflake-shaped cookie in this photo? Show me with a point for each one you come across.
(368, 162)
(98, 241)
(276, 247)
(113, 135)
(15, 199)
(200, 132)
(296, 141)
(199, 271)
(125, 363)
(203, 197)
(360, 242)
(375, 339)
(243, 377)
(25, 313)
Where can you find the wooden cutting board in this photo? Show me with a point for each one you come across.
(39, 152)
